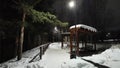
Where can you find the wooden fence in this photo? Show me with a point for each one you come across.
(43, 48)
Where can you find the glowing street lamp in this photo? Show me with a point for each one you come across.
(72, 4)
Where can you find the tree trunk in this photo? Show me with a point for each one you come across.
(20, 47)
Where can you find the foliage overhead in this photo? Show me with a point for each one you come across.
(41, 16)
(65, 24)
(27, 6)
(47, 17)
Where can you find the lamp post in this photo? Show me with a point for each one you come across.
(72, 5)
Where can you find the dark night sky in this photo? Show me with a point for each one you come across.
(113, 6)
(101, 14)
(64, 12)
(107, 15)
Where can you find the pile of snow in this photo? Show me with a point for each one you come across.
(23, 63)
(84, 27)
(109, 58)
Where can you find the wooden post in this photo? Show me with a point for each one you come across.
(40, 53)
(95, 41)
(77, 52)
(62, 42)
(71, 46)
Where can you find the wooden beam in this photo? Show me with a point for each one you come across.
(77, 41)
(71, 46)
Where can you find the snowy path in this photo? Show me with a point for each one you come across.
(55, 56)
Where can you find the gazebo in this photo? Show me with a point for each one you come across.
(75, 32)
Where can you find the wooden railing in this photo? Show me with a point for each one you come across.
(43, 48)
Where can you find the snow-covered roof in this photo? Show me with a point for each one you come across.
(84, 27)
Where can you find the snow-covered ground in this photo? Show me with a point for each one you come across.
(55, 57)
(110, 58)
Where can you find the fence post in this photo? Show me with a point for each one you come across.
(40, 53)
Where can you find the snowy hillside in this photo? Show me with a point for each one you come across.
(55, 57)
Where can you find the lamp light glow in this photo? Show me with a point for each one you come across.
(72, 4)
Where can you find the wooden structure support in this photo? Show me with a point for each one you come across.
(63, 35)
(75, 33)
